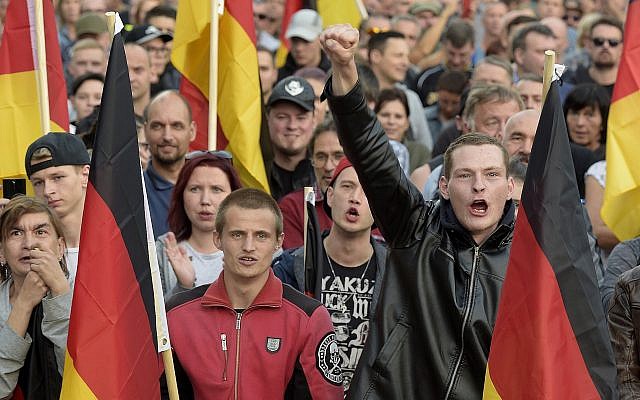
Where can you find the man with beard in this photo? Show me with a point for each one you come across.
(290, 118)
(168, 129)
(605, 50)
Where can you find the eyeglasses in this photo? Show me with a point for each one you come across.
(156, 50)
(599, 42)
(216, 153)
(262, 17)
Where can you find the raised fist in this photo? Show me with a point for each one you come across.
(340, 43)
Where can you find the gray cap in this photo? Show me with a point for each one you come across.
(305, 24)
(295, 90)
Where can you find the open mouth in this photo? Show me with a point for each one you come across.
(479, 208)
(352, 214)
(247, 260)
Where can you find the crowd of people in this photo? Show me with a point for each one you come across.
(414, 129)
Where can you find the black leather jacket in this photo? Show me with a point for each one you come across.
(439, 298)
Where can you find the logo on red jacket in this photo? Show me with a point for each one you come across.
(273, 344)
(328, 359)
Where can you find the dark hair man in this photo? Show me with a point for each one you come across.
(247, 335)
(528, 47)
(437, 251)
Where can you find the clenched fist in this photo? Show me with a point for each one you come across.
(340, 43)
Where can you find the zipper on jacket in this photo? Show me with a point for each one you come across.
(235, 388)
(223, 338)
(465, 321)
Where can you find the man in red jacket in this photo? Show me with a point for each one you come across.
(248, 336)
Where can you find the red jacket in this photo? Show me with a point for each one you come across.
(282, 346)
(292, 207)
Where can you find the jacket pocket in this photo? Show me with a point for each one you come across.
(394, 342)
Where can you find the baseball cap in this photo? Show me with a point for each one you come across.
(144, 33)
(420, 6)
(295, 90)
(65, 149)
(305, 24)
(342, 165)
(92, 24)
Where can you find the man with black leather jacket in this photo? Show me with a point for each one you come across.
(447, 261)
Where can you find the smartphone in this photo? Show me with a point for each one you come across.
(12, 187)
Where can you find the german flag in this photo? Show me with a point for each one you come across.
(239, 107)
(112, 349)
(19, 103)
(339, 12)
(550, 339)
(621, 206)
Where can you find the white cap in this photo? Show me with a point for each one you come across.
(305, 24)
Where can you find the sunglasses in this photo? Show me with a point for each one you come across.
(216, 153)
(262, 17)
(599, 42)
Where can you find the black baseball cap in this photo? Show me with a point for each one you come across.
(295, 90)
(143, 33)
(65, 149)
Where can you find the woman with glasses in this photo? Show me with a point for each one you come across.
(35, 301)
(187, 256)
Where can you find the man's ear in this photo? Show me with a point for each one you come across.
(374, 56)
(517, 56)
(85, 176)
(216, 240)
(329, 198)
(511, 185)
(194, 129)
(443, 185)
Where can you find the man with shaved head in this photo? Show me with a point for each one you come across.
(519, 133)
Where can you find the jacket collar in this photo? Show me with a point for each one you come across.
(269, 296)
(499, 237)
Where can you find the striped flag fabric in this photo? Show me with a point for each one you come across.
(290, 8)
(239, 94)
(550, 339)
(621, 205)
(117, 321)
(19, 103)
(339, 12)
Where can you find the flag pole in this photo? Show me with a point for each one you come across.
(308, 191)
(43, 84)
(362, 9)
(217, 9)
(547, 76)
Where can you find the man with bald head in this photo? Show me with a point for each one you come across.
(168, 128)
(519, 133)
(140, 74)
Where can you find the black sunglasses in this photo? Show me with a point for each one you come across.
(599, 42)
(217, 153)
(264, 16)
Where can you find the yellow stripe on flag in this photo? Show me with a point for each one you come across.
(621, 205)
(339, 12)
(490, 392)
(74, 387)
(239, 104)
(19, 113)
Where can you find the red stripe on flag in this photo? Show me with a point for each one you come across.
(106, 352)
(200, 114)
(628, 81)
(17, 30)
(238, 10)
(290, 8)
(58, 111)
(535, 309)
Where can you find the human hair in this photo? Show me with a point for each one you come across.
(472, 139)
(459, 33)
(520, 20)
(589, 95)
(389, 95)
(606, 20)
(85, 44)
(485, 94)
(39, 155)
(13, 211)
(179, 223)
(165, 93)
(452, 81)
(327, 125)
(528, 76)
(520, 38)
(79, 81)
(378, 41)
(261, 48)
(249, 199)
(368, 81)
(498, 62)
(404, 17)
(160, 11)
